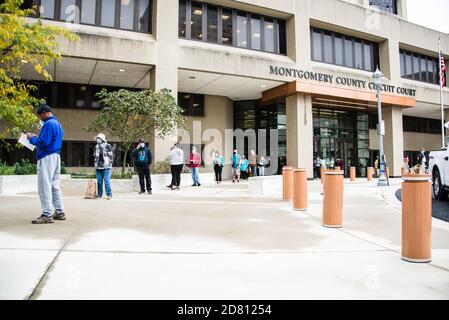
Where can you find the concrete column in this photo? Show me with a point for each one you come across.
(300, 132)
(165, 73)
(394, 139)
(298, 30)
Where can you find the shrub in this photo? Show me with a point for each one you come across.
(5, 169)
(24, 167)
(161, 167)
(63, 169)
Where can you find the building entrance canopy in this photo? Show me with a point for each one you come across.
(338, 94)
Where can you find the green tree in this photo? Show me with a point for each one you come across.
(23, 41)
(131, 115)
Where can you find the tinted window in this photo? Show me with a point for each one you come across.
(182, 22)
(328, 54)
(338, 40)
(68, 10)
(256, 41)
(226, 18)
(108, 13)
(212, 24)
(127, 14)
(317, 50)
(269, 34)
(144, 17)
(47, 9)
(358, 55)
(349, 57)
(197, 21)
(242, 30)
(88, 8)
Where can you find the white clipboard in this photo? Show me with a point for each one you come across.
(23, 140)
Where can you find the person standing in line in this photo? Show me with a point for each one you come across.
(235, 159)
(376, 166)
(104, 158)
(244, 168)
(194, 164)
(262, 166)
(143, 160)
(176, 163)
(422, 160)
(253, 163)
(48, 144)
(317, 164)
(218, 166)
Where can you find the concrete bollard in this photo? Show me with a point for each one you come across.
(287, 183)
(370, 173)
(300, 189)
(352, 174)
(333, 200)
(416, 218)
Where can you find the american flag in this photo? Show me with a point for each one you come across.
(442, 70)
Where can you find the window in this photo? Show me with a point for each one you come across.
(269, 34)
(132, 15)
(47, 9)
(419, 67)
(68, 11)
(242, 37)
(127, 14)
(385, 5)
(212, 24)
(328, 51)
(219, 25)
(338, 40)
(335, 48)
(88, 11)
(108, 13)
(144, 17)
(256, 35)
(197, 21)
(421, 125)
(192, 104)
(227, 31)
(182, 22)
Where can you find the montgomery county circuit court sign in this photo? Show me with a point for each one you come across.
(339, 80)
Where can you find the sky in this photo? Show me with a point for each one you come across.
(433, 14)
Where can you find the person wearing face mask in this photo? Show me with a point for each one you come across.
(422, 161)
(104, 158)
(142, 160)
(236, 161)
(48, 145)
(218, 166)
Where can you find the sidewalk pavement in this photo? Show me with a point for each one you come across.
(215, 242)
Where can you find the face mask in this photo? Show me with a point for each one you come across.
(99, 141)
(142, 145)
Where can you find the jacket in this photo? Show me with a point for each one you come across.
(219, 161)
(194, 160)
(146, 154)
(49, 140)
(176, 156)
(104, 156)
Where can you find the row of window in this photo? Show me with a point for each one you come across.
(69, 95)
(215, 24)
(192, 104)
(339, 49)
(413, 124)
(419, 67)
(385, 5)
(120, 14)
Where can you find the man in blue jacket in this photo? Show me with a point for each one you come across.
(48, 145)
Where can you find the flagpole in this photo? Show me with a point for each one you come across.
(441, 96)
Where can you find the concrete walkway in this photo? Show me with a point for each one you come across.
(215, 242)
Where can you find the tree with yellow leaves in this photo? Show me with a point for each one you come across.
(23, 40)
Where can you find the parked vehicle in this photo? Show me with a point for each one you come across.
(439, 168)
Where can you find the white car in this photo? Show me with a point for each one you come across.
(439, 168)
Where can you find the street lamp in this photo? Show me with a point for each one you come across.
(380, 129)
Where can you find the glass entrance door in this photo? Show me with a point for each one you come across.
(345, 155)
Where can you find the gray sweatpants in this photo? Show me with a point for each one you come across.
(48, 174)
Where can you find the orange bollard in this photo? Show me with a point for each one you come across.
(370, 173)
(417, 218)
(300, 189)
(352, 174)
(322, 170)
(333, 200)
(338, 168)
(287, 183)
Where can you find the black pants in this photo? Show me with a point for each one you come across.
(244, 175)
(318, 172)
(144, 178)
(218, 170)
(176, 175)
